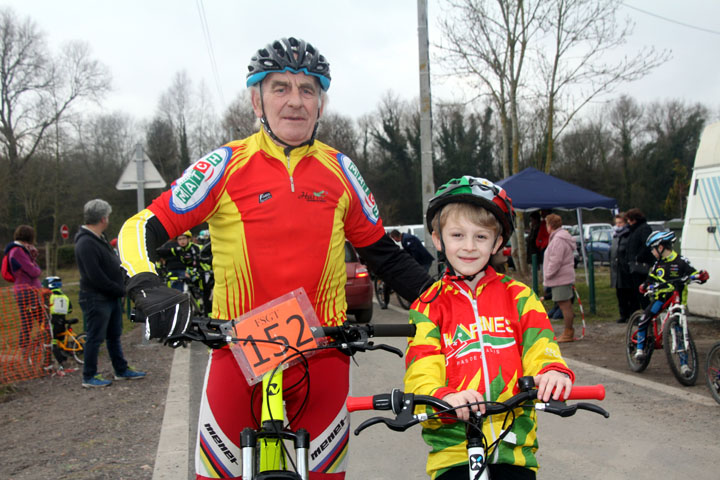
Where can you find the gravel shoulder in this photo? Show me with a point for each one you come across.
(54, 428)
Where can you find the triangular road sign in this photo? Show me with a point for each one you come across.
(129, 178)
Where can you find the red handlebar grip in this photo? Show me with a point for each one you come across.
(359, 403)
(587, 392)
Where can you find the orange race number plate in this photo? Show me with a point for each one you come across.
(271, 335)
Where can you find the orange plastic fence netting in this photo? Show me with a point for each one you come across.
(25, 335)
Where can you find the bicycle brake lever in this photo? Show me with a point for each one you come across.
(557, 408)
(391, 423)
(591, 407)
(387, 348)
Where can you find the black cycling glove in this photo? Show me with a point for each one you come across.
(165, 311)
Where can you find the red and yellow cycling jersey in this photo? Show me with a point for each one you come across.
(483, 340)
(277, 222)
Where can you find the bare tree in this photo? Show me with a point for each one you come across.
(487, 43)
(37, 90)
(175, 106)
(239, 119)
(573, 59)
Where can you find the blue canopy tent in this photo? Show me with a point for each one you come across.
(532, 189)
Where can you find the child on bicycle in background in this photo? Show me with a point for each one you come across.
(59, 305)
(478, 332)
(670, 272)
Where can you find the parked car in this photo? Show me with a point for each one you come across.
(358, 289)
(599, 245)
(588, 230)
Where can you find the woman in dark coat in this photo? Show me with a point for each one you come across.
(639, 258)
(620, 278)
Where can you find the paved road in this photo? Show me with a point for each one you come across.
(654, 431)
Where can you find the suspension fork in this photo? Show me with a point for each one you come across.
(264, 448)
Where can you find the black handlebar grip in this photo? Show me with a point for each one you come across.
(387, 330)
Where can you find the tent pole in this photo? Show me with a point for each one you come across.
(582, 245)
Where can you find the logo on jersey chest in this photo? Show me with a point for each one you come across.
(198, 179)
(496, 333)
(320, 196)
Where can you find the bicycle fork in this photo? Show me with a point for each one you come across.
(270, 461)
(477, 462)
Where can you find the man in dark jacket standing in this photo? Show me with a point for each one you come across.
(101, 287)
(639, 257)
(620, 277)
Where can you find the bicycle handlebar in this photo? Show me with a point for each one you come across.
(349, 337)
(403, 405)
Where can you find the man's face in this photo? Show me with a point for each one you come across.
(292, 105)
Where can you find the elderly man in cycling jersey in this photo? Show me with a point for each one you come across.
(279, 205)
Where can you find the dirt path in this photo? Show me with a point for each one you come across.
(54, 428)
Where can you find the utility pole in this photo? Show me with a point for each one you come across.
(426, 170)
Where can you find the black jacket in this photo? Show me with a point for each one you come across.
(639, 257)
(99, 266)
(619, 266)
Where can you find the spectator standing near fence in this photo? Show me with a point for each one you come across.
(559, 272)
(26, 272)
(101, 287)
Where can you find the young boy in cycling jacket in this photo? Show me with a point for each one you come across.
(478, 332)
(671, 272)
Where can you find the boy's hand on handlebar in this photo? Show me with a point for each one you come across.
(553, 384)
(463, 398)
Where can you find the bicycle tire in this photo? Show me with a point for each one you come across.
(403, 303)
(674, 352)
(712, 371)
(381, 294)
(631, 343)
(76, 345)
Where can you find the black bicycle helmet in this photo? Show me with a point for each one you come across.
(478, 191)
(657, 238)
(289, 54)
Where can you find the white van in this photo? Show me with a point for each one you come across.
(701, 229)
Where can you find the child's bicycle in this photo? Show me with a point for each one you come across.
(71, 342)
(712, 371)
(669, 330)
(264, 452)
(403, 406)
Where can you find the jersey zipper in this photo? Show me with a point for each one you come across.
(292, 180)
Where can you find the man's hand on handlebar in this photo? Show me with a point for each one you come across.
(552, 384)
(461, 398)
(166, 312)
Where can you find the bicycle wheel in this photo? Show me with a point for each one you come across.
(712, 371)
(76, 345)
(381, 292)
(683, 360)
(631, 343)
(403, 303)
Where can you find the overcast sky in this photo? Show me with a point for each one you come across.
(371, 45)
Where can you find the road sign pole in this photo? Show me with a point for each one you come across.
(139, 160)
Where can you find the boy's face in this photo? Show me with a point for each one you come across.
(468, 246)
(182, 240)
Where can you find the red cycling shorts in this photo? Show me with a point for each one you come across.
(228, 402)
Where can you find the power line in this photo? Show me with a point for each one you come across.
(687, 25)
(211, 52)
